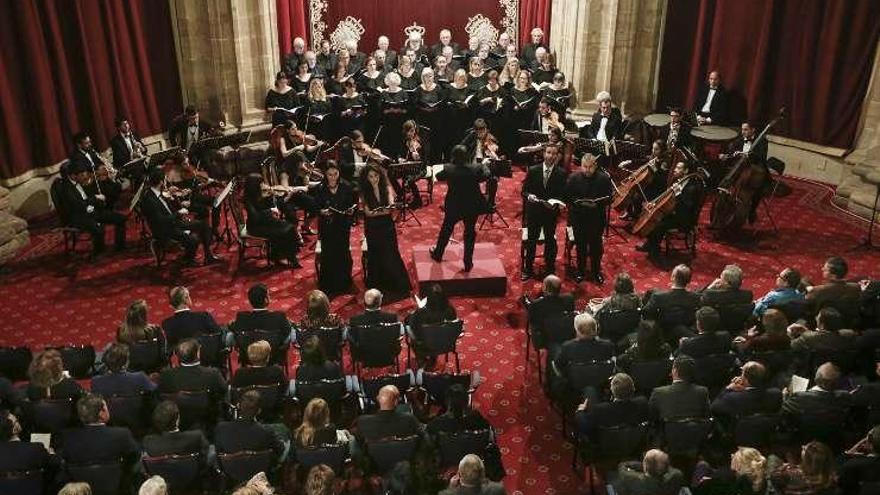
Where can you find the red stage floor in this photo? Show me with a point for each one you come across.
(487, 278)
(45, 298)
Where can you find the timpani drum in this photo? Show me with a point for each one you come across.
(711, 139)
(657, 119)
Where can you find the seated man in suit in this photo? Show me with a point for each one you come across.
(787, 283)
(823, 401)
(16, 455)
(836, 291)
(709, 340)
(95, 442)
(171, 441)
(186, 323)
(747, 394)
(829, 336)
(653, 476)
(727, 289)
(372, 315)
(167, 224)
(550, 303)
(190, 375)
(245, 433)
(10, 397)
(259, 371)
(471, 479)
(118, 380)
(390, 420)
(87, 209)
(261, 318)
(862, 464)
(585, 347)
(126, 145)
(711, 101)
(682, 399)
(673, 309)
(624, 409)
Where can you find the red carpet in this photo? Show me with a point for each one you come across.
(46, 298)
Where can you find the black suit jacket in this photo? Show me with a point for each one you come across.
(192, 378)
(725, 297)
(705, 344)
(580, 186)
(275, 322)
(96, 444)
(534, 184)
(818, 402)
(162, 221)
(178, 129)
(121, 153)
(75, 207)
(628, 412)
(23, 456)
(758, 152)
(737, 403)
(464, 197)
(545, 306)
(718, 107)
(679, 400)
(368, 318)
(384, 424)
(613, 128)
(243, 434)
(188, 324)
(672, 300)
(176, 443)
(583, 351)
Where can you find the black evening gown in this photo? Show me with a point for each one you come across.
(287, 100)
(521, 108)
(430, 114)
(385, 268)
(461, 113)
(369, 89)
(395, 110)
(334, 231)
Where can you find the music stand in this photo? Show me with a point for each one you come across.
(220, 202)
(498, 169)
(406, 171)
(163, 156)
(135, 199)
(234, 140)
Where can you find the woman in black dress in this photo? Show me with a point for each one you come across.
(558, 94)
(459, 97)
(409, 78)
(335, 199)
(263, 220)
(351, 109)
(490, 100)
(521, 104)
(477, 77)
(302, 79)
(394, 106)
(319, 111)
(428, 99)
(282, 96)
(370, 84)
(385, 268)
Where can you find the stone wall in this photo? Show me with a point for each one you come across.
(13, 230)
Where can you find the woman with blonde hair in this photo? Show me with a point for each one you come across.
(316, 428)
(813, 476)
(509, 73)
(750, 465)
(409, 78)
(319, 108)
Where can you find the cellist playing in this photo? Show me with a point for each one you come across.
(757, 155)
(688, 193)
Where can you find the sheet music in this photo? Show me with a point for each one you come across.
(798, 384)
(43, 438)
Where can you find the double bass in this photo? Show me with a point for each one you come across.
(656, 210)
(739, 188)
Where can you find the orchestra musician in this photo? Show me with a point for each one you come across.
(336, 202)
(188, 185)
(189, 128)
(104, 180)
(415, 149)
(264, 219)
(482, 147)
(546, 118)
(607, 122)
(677, 134)
(352, 156)
(711, 101)
(756, 152)
(126, 145)
(587, 194)
(464, 202)
(283, 97)
(86, 208)
(445, 41)
(385, 268)
(688, 200)
(542, 190)
(658, 163)
(556, 137)
(171, 224)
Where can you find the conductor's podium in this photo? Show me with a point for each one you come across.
(487, 278)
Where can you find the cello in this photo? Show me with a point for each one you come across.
(656, 210)
(739, 188)
(635, 183)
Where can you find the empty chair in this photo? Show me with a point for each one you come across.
(435, 385)
(330, 338)
(197, 409)
(441, 339)
(756, 430)
(52, 415)
(214, 352)
(130, 411)
(714, 371)
(239, 467)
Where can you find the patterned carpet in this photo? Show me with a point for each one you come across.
(48, 298)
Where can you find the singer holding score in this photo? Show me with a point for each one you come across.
(542, 189)
(385, 268)
(587, 193)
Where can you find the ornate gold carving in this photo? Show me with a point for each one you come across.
(348, 29)
(481, 29)
(317, 8)
(510, 20)
(414, 29)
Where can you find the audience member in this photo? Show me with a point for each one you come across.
(787, 283)
(372, 314)
(314, 366)
(318, 313)
(154, 485)
(709, 340)
(190, 375)
(258, 371)
(170, 440)
(471, 479)
(623, 410)
(550, 303)
(49, 379)
(459, 416)
(813, 476)
(75, 488)
(95, 442)
(673, 309)
(320, 480)
(118, 380)
(726, 289)
(244, 432)
(862, 463)
(10, 396)
(746, 475)
(829, 335)
(623, 298)
(136, 328)
(648, 346)
(585, 347)
(773, 338)
(436, 309)
(681, 399)
(653, 476)
(823, 400)
(261, 318)
(186, 323)
(316, 428)
(17, 455)
(836, 291)
(388, 421)
(747, 394)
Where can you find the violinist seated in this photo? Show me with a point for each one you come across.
(688, 200)
(607, 123)
(264, 219)
(186, 186)
(126, 145)
(103, 174)
(650, 180)
(301, 182)
(537, 150)
(756, 154)
(355, 154)
(546, 118)
(169, 224)
(415, 149)
(86, 209)
(287, 139)
(482, 147)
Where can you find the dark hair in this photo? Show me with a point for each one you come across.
(480, 124)
(6, 426)
(188, 351)
(458, 155)
(837, 266)
(367, 190)
(116, 357)
(661, 143)
(311, 351)
(89, 408)
(253, 188)
(545, 101)
(831, 319)
(258, 295)
(792, 277)
(249, 404)
(157, 176)
(166, 416)
(356, 134)
(685, 366)
(556, 131)
(708, 319)
(119, 120)
(436, 299)
(623, 283)
(280, 75)
(190, 110)
(80, 137)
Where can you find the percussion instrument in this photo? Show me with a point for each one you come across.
(657, 119)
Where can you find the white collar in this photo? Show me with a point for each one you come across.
(181, 310)
(190, 365)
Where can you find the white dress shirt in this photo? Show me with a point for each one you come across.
(708, 104)
(601, 134)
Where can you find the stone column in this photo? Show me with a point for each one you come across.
(227, 55)
(611, 45)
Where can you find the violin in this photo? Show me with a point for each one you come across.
(301, 138)
(369, 153)
(490, 146)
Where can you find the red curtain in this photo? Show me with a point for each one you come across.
(532, 14)
(813, 57)
(78, 65)
(292, 22)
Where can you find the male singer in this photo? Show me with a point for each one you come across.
(464, 202)
(542, 191)
(587, 194)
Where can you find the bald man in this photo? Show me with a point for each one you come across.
(391, 420)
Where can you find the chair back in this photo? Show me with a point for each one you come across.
(130, 411)
(441, 338)
(673, 316)
(370, 386)
(756, 430)
(146, 355)
(845, 360)
(454, 446)
(793, 309)
(276, 341)
(648, 375)
(386, 453)
(686, 436)
(615, 324)
(52, 415)
(79, 360)
(331, 390)
(270, 399)
(329, 338)
(593, 374)
(182, 473)
(60, 207)
(197, 409)
(330, 455)
(775, 361)
(242, 466)
(559, 328)
(621, 442)
(377, 345)
(104, 479)
(735, 316)
(14, 363)
(213, 350)
(23, 482)
(436, 384)
(715, 370)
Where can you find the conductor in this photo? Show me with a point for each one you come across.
(464, 202)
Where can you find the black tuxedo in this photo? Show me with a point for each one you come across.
(538, 216)
(176, 443)
(628, 412)
(192, 379)
(178, 132)
(682, 136)
(188, 324)
(688, 204)
(757, 153)
(121, 152)
(613, 127)
(679, 400)
(588, 222)
(738, 403)
(275, 322)
(98, 444)
(90, 214)
(384, 424)
(464, 202)
(831, 406)
(165, 225)
(369, 318)
(705, 344)
(244, 434)
(717, 109)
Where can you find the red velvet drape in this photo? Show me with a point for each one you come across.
(78, 65)
(532, 14)
(813, 57)
(293, 20)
